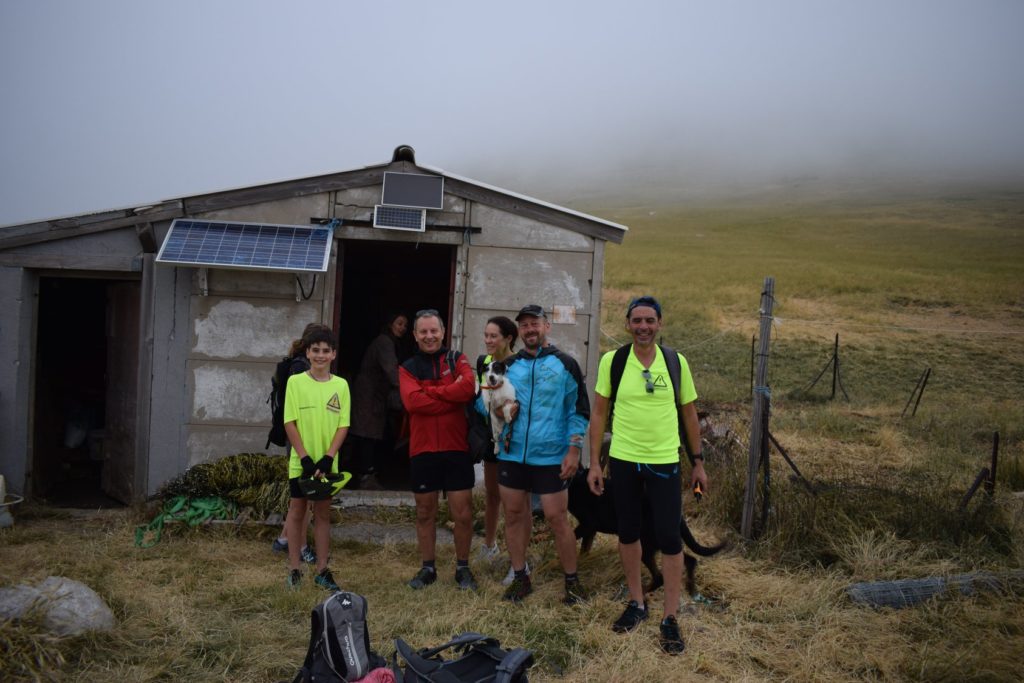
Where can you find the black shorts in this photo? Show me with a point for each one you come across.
(637, 485)
(490, 455)
(533, 478)
(443, 471)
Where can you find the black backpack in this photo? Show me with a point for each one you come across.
(339, 642)
(674, 372)
(285, 368)
(480, 659)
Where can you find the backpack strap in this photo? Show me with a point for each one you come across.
(314, 636)
(481, 360)
(618, 367)
(675, 372)
(419, 662)
(515, 663)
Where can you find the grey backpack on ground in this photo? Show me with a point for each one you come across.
(480, 659)
(339, 642)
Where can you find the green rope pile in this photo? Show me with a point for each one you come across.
(193, 512)
(250, 480)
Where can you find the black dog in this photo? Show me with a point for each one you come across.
(597, 514)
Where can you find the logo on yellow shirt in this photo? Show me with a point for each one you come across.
(334, 404)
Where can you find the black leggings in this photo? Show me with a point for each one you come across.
(637, 485)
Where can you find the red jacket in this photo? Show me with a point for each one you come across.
(436, 399)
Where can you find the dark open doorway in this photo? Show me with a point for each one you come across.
(378, 278)
(79, 343)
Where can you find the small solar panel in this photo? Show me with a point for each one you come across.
(248, 246)
(399, 218)
(413, 190)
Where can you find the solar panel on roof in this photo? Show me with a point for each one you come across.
(399, 218)
(248, 246)
(413, 190)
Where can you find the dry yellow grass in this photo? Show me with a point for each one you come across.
(907, 283)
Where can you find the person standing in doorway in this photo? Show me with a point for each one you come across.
(644, 459)
(544, 450)
(436, 385)
(375, 396)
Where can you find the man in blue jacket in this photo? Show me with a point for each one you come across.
(544, 450)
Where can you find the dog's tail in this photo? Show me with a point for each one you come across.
(692, 544)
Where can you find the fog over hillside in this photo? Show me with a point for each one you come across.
(117, 103)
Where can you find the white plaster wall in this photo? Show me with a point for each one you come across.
(238, 329)
(229, 393)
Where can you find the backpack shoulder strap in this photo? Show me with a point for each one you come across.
(674, 368)
(315, 629)
(432, 669)
(618, 367)
(675, 371)
(515, 662)
(481, 360)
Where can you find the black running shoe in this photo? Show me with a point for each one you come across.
(464, 578)
(518, 589)
(671, 640)
(326, 580)
(424, 577)
(631, 618)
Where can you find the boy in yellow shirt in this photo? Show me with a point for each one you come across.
(316, 419)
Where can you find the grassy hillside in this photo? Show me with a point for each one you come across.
(908, 281)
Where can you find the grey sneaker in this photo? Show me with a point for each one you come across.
(424, 577)
(279, 546)
(671, 641)
(510, 577)
(326, 580)
(631, 618)
(294, 579)
(308, 555)
(465, 579)
(487, 555)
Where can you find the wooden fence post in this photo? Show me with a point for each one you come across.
(757, 426)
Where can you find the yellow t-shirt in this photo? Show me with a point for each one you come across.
(319, 410)
(646, 425)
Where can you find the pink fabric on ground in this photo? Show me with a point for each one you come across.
(379, 675)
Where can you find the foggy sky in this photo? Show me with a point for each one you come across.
(108, 104)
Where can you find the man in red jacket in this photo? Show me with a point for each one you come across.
(436, 386)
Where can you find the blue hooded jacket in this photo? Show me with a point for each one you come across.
(553, 407)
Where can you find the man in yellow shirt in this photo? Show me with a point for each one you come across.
(644, 459)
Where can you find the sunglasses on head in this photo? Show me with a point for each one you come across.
(425, 312)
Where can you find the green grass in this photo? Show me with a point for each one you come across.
(908, 281)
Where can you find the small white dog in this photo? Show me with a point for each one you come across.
(498, 396)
